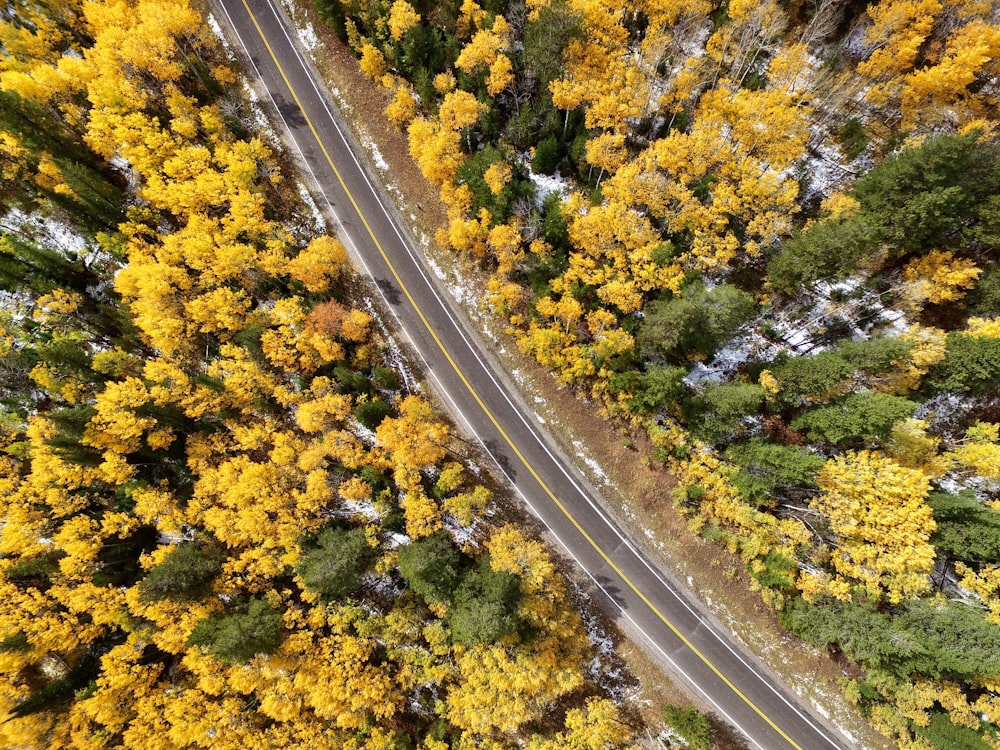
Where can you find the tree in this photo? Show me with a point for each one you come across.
(966, 529)
(941, 731)
(252, 628)
(881, 524)
(333, 568)
(690, 724)
(875, 356)
(484, 606)
(773, 471)
(813, 378)
(722, 409)
(402, 17)
(971, 365)
(484, 50)
(695, 323)
(431, 566)
(184, 574)
(858, 418)
(932, 196)
(659, 389)
(416, 439)
(599, 725)
(832, 248)
(371, 413)
(319, 264)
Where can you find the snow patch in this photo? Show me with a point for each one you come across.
(353, 508)
(546, 184)
(463, 536)
(822, 166)
(604, 667)
(307, 35)
(461, 289)
(45, 229)
(953, 483)
(377, 158)
(317, 216)
(595, 468)
(216, 28)
(397, 540)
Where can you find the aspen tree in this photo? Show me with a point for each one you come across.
(881, 522)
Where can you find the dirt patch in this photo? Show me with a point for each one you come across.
(615, 458)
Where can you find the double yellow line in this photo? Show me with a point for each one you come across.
(486, 410)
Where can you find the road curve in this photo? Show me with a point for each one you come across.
(733, 683)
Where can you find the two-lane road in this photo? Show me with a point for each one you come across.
(733, 683)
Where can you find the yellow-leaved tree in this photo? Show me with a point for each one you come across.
(881, 526)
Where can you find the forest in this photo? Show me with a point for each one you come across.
(767, 234)
(228, 519)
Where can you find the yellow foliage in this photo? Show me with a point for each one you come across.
(985, 583)
(471, 18)
(402, 18)
(984, 328)
(459, 109)
(372, 62)
(423, 517)
(444, 82)
(319, 264)
(481, 51)
(467, 506)
(768, 382)
(882, 524)
(497, 176)
(898, 29)
(929, 348)
(981, 450)
(416, 438)
(597, 726)
(501, 75)
(912, 447)
(435, 149)
(942, 91)
(938, 277)
(403, 107)
(840, 205)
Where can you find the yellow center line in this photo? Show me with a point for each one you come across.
(486, 410)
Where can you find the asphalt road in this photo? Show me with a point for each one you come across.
(732, 682)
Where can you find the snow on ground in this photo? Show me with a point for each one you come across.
(953, 483)
(397, 540)
(122, 165)
(464, 292)
(945, 410)
(463, 536)
(317, 216)
(363, 508)
(547, 184)
(257, 114)
(823, 165)
(377, 157)
(799, 331)
(595, 468)
(213, 24)
(605, 668)
(307, 35)
(54, 234)
(729, 359)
